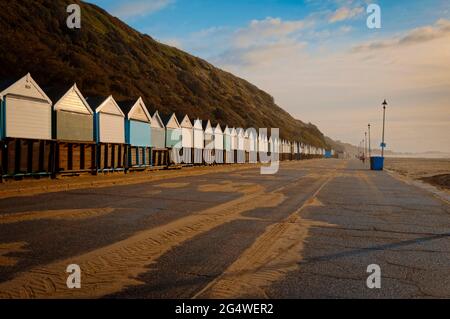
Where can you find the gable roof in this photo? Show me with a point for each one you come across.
(206, 125)
(217, 129)
(168, 118)
(13, 87)
(184, 121)
(57, 95)
(227, 130)
(157, 122)
(130, 107)
(198, 124)
(98, 103)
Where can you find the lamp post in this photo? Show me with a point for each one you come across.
(383, 144)
(370, 148)
(365, 144)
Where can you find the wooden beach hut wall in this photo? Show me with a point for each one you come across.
(26, 129)
(240, 146)
(234, 143)
(228, 153)
(208, 151)
(173, 137)
(187, 139)
(199, 142)
(160, 154)
(73, 129)
(252, 145)
(109, 133)
(218, 144)
(137, 133)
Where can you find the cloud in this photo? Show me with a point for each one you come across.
(139, 8)
(345, 13)
(423, 34)
(269, 29)
(341, 90)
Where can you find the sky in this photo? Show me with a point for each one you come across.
(320, 61)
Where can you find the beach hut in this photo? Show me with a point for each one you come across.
(173, 137)
(26, 129)
(263, 149)
(208, 132)
(262, 156)
(234, 144)
(277, 149)
(73, 130)
(187, 139)
(218, 144)
(252, 145)
(246, 145)
(160, 154)
(301, 150)
(199, 142)
(293, 151)
(137, 133)
(109, 133)
(240, 146)
(228, 153)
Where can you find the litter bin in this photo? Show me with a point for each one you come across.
(376, 163)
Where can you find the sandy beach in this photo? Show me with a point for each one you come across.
(432, 171)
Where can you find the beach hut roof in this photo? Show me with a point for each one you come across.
(98, 104)
(198, 124)
(135, 109)
(57, 95)
(157, 122)
(217, 128)
(170, 120)
(206, 125)
(184, 120)
(16, 86)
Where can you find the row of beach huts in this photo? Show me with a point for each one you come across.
(65, 133)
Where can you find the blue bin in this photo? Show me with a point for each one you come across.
(376, 163)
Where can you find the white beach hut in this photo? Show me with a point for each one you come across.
(26, 110)
(227, 141)
(109, 132)
(218, 144)
(199, 141)
(25, 128)
(240, 158)
(252, 145)
(208, 156)
(187, 139)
